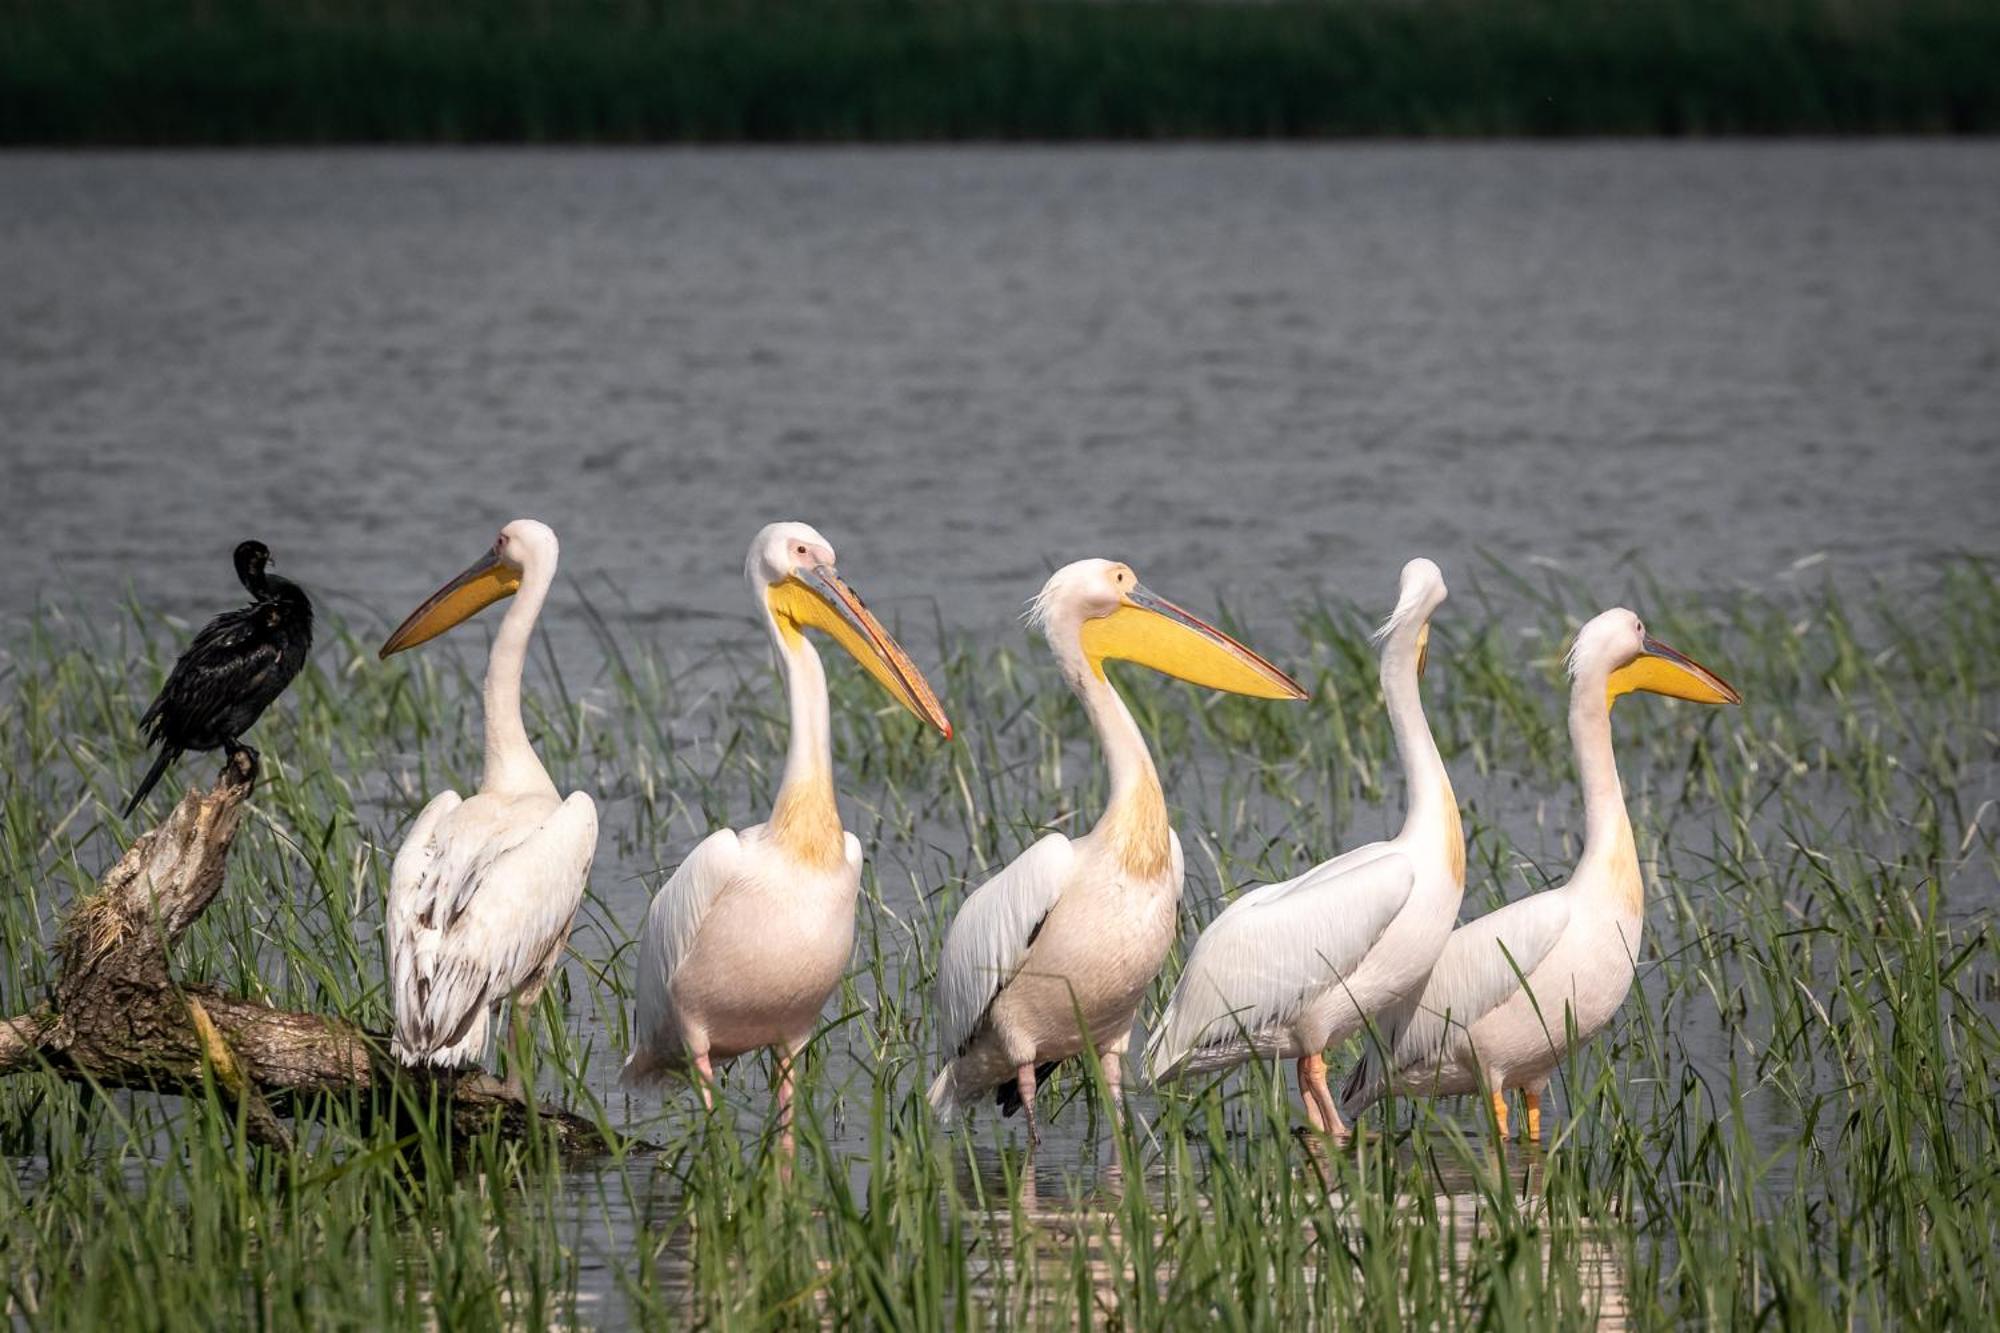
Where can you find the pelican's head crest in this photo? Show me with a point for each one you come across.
(780, 550)
(1081, 590)
(1419, 593)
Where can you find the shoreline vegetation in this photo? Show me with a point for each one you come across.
(241, 72)
(1792, 1121)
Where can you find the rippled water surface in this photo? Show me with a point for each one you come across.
(1256, 368)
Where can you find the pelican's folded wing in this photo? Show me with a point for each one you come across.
(1480, 969)
(497, 916)
(672, 923)
(412, 887)
(1270, 954)
(990, 937)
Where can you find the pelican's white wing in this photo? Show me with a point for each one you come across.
(989, 938)
(1319, 874)
(672, 923)
(488, 917)
(1270, 954)
(409, 897)
(1481, 969)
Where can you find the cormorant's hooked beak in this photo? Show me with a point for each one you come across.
(488, 580)
(1662, 670)
(1152, 631)
(818, 598)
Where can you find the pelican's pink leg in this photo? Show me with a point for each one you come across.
(1312, 1069)
(1306, 1066)
(705, 1079)
(1025, 1077)
(785, 1144)
(1114, 1085)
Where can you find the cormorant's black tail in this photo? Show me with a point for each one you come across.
(167, 756)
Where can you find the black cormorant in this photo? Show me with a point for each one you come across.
(235, 667)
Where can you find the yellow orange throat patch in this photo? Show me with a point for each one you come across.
(1628, 883)
(1454, 837)
(805, 823)
(1138, 831)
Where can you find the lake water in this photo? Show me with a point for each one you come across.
(1257, 372)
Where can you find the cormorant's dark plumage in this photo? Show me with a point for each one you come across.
(235, 667)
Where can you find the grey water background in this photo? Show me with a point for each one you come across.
(1256, 373)
(1264, 371)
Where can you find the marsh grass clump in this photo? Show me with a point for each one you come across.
(1793, 1118)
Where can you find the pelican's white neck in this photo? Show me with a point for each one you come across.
(1609, 856)
(1432, 808)
(1135, 818)
(512, 766)
(809, 751)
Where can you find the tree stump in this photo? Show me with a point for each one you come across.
(116, 1016)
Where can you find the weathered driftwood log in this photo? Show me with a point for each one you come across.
(116, 1016)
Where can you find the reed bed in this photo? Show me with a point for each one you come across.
(1794, 1120)
(631, 71)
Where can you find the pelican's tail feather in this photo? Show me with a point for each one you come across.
(652, 1065)
(1363, 1087)
(467, 1052)
(944, 1097)
(641, 1072)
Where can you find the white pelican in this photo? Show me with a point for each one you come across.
(484, 889)
(1289, 969)
(744, 944)
(1077, 928)
(1478, 1027)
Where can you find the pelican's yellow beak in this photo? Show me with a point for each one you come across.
(1423, 649)
(488, 580)
(1152, 631)
(1661, 670)
(818, 598)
